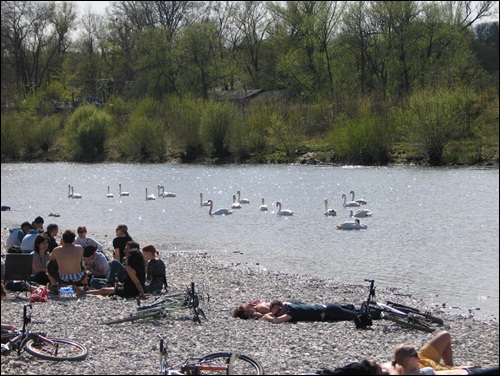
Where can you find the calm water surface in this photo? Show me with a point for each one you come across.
(435, 231)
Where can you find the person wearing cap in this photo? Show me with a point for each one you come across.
(120, 241)
(38, 224)
(17, 234)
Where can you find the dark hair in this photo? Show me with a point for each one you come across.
(274, 303)
(81, 228)
(241, 312)
(51, 228)
(15, 249)
(136, 260)
(89, 250)
(151, 249)
(133, 245)
(38, 220)
(68, 237)
(39, 240)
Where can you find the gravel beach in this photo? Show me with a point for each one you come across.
(132, 348)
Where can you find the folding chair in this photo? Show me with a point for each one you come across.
(18, 266)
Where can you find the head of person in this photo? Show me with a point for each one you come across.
(136, 260)
(277, 308)
(406, 356)
(38, 223)
(52, 229)
(132, 246)
(89, 251)
(41, 243)
(26, 227)
(81, 231)
(121, 230)
(243, 311)
(149, 252)
(68, 237)
(15, 249)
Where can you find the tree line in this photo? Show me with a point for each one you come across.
(352, 81)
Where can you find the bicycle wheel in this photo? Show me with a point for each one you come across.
(242, 365)
(136, 316)
(425, 315)
(66, 350)
(408, 322)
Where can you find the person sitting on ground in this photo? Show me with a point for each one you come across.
(134, 281)
(97, 266)
(37, 224)
(65, 263)
(117, 272)
(17, 234)
(16, 285)
(40, 260)
(281, 312)
(120, 241)
(28, 243)
(83, 240)
(156, 275)
(52, 230)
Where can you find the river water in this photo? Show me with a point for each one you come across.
(434, 231)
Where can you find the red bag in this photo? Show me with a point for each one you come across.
(39, 295)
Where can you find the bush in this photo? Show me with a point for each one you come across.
(216, 126)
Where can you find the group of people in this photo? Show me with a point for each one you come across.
(79, 261)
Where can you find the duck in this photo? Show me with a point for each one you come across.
(203, 203)
(285, 212)
(218, 211)
(122, 193)
(242, 200)
(360, 213)
(350, 203)
(110, 195)
(329, 212)
(167, 194)
(54, 215)
(150, 197)
(361, 201)
(349, 225)
(263, 206)
(75, 195)
(235, 205)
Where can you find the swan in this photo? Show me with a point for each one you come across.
(122, 193)
(361, 201)
(329, 212)
(167, 194)
(203, 203)
(350, 203)
(360, 213)
(263, 206)
(348, 225)
(283, 212)
(218, 211)
(110, 195)
(150, 197)
(69, 191)
(235, 205)
(242, 200)
(75, 195)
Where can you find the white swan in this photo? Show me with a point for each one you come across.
(203, 203)
(285, 212)
(361, 201)
(167, 194)
(69, 191)
(348, 225)
(350, 203)
(360, 213)
(151, 196)
(242, 200)
(263, 206)
(329, 212)
(75, 195)
(122, 193)
(218, 211)
(110, 195)
(235, 205)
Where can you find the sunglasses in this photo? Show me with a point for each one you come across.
(414, 355)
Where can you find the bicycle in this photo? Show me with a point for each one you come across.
(405, 316)
(168, 304)
(40, 346)
(220, 363)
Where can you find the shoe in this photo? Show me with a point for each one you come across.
(54, 290)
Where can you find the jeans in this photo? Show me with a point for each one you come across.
(334, 312)
(117, 272)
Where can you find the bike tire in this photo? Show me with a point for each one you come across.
(243, 364)
(408, 322)
(134, 317)
(67, 350)
(407, 309)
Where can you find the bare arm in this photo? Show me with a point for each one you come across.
(117, 254)
(276, 319)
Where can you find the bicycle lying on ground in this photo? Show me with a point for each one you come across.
(40, 346)
(166, 305)
(221, 363)
(405, 316)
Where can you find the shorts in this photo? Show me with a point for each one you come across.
(429, 357)
(73, 277)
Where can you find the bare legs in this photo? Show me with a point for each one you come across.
(442, 343)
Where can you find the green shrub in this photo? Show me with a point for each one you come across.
(184, 121)
(216, 127)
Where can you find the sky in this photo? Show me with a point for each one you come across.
(98, 7)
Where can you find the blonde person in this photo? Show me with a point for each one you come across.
(156, 276)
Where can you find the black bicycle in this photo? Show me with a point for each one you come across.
(40, 346)
(405, 316)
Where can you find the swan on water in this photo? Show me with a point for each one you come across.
(122, 193)
(284, 212)
(263, 206)
(360, 213)
(75, 195)
(350, 203)
(151, 196)
(329, 212)
(218, 211)
(348, 225)
(166, 194)
(235, 205)
(242, 200)
(110, 195)
(203, 203)
(361, 201)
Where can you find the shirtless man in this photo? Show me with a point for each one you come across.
(69, 259)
